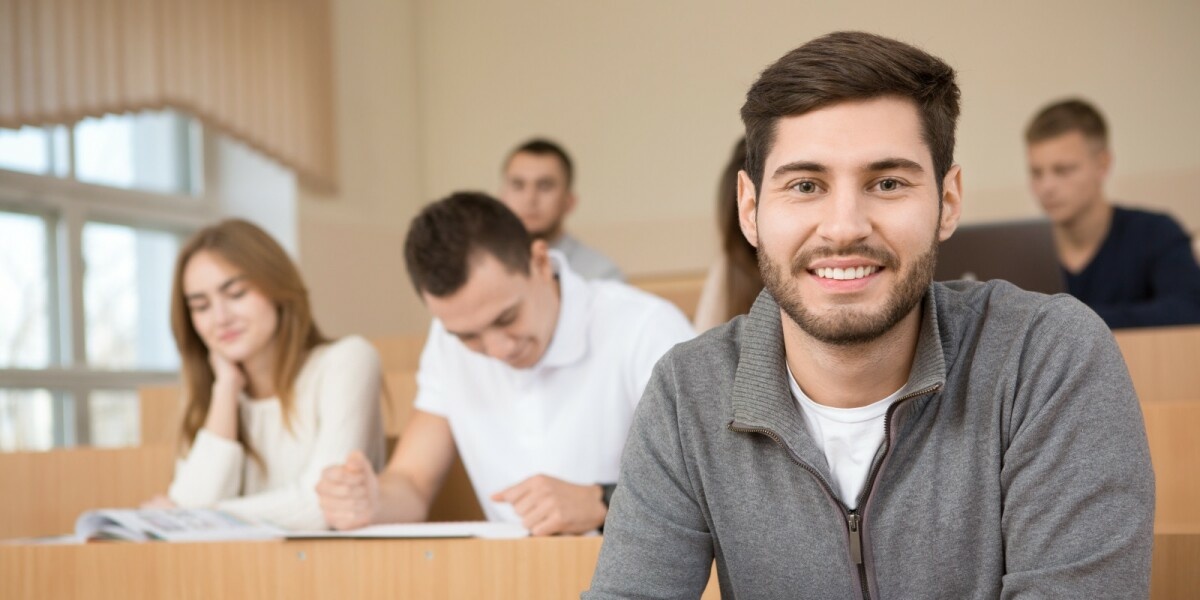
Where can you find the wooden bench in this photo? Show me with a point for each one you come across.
(682, 290)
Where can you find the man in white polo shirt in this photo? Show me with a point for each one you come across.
(530, 371)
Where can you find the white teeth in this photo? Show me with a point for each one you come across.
(845, 274)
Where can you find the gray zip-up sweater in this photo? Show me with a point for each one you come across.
(1015, 465)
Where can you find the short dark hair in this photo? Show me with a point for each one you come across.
(446, 235)
(852, 65)
(1066, 116)
(545, 147)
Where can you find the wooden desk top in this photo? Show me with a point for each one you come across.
(527, 569)
(535, 568)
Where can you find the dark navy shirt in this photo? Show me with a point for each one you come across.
(1143, 275)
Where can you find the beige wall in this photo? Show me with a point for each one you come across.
(645, 95)
(350, 242)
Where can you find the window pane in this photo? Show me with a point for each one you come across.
(60, 139)
(26, 149)
(148, 151)
(126, 297)
(114, 418)
(26, 420)
(24, 302)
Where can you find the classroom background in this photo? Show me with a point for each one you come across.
(375, 108)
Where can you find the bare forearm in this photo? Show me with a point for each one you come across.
(222, 417)
(399, 500)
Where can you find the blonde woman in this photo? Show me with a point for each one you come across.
(733, 281)
(270, 402)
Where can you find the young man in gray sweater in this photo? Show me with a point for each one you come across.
(864, 432)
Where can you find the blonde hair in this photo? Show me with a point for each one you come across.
(269, 269)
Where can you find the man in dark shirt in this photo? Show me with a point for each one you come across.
(1134, 268)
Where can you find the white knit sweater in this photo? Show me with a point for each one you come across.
(336, 410)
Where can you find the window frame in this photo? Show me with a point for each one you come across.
(66, 205)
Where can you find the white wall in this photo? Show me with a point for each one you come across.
(351, 241)
(250, 186)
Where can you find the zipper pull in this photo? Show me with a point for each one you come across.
(855, 522)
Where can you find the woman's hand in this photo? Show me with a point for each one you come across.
(227, 374)
(159, 501)
(228, 382)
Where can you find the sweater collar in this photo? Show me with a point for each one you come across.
(761, 396)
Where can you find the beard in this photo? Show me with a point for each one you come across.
(550, 233)
(849, 325)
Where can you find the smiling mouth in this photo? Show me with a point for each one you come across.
(839, 274)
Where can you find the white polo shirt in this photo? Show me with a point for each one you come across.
(568, 415)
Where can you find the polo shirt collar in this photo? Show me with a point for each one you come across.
(570, 341)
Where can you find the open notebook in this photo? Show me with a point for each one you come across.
(462, 529)
(206, 525)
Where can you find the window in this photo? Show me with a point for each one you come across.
(25, 304)
(126, 296)
(91, 217)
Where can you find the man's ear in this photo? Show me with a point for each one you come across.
(1106, 161)
(951, 203)
(747, 208)
(572, 202)
(539, 260)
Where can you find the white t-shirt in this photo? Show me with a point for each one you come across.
(335, 410)
(567, 416)
(849, 437)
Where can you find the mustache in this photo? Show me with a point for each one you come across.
(805, 258)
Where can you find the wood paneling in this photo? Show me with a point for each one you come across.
(681, 290)
(44, 492)
(1173, 428)
(1164, 362)
(160, 414)
(529, 569)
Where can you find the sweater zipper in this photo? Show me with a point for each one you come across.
(854, 520)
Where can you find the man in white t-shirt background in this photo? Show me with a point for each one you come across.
(530, 373)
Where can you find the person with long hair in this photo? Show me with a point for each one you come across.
(733, 281)
(269, 400)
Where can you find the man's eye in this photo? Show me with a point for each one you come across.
(889, 185)
(805, 187)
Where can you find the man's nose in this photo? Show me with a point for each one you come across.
(497, 344)
(845, 221)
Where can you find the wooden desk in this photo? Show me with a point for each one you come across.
(1162, 361)
(529, 569)
(549, 568)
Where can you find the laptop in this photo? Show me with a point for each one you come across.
(1020, 252)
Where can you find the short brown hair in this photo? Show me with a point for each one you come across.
(545, 147)
(1064, 117)
(446, 235)
(852, 65)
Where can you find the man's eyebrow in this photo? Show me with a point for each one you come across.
(508, 312)
(895, 164)
(800, 165)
